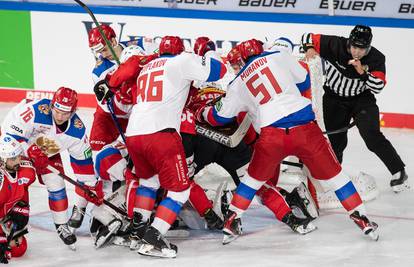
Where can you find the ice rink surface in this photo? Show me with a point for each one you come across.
(266, 242)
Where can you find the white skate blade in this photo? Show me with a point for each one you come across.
(72, 247)
(179, 233)
(149, 250)
(309, 228)
(121, 241)
(228, 238)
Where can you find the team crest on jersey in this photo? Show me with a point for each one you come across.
(78, 123)
(47, 145)
(44, 108)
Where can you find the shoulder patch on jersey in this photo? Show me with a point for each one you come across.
(76, 128)
(42, 111)
(105, 65)
(78, 123)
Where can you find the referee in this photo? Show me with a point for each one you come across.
(355, 71)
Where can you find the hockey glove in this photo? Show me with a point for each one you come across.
(19, 215)
(102, 91)
(95, 194)
(5, 254)
(38, 157)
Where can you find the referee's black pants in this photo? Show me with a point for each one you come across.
(337, 113)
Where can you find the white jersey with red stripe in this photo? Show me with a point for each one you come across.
(269, 88)
(162, 90)
(33, 123)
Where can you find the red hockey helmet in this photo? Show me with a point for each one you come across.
(18, 247)
(172, 45)
(251, 48)
(96, 42)
(65, 99)
(202, 45)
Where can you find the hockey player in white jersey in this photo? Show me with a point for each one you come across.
(45, 128)
(153, 141)
(269, 88)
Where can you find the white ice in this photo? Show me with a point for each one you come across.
(266, 242)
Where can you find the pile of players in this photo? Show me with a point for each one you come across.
(143, 150)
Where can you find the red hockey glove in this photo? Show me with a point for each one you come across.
(95, 195)
(38, 157)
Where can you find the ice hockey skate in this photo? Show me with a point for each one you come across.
(399, 182)
(76, 218)
(138, 228)
(66, 235)
(299, 225)
(232, 227)
(156, 245)
(368, 228)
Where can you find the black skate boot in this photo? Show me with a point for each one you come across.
(138, 228)
(232, 227)
(368, 228)
(156, 245)
(301, 202)
(66, 235)
(106, 232)
(299, 225)
(399, 181)
(76, 218)
(213, 220)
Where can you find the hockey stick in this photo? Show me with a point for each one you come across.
(109, 102)
(87, 191)
(224, 139)
(100, 29)
(341, 130)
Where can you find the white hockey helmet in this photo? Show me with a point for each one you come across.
(284, 44)
(129, 51)
(9, 147)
